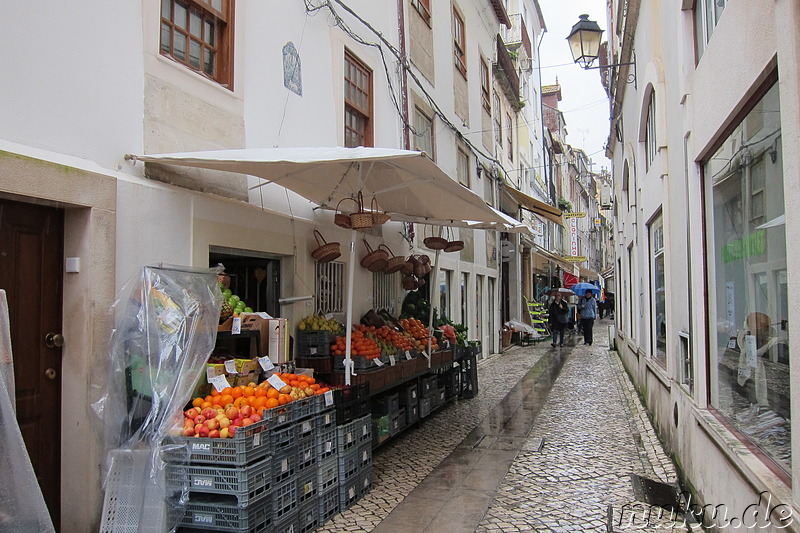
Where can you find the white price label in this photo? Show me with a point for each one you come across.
(446, 344)
(426, 354)
(328, 316)
(329, 398)
(256, 439)
(732, 344)
(276, 382)
(377, 362)
(219, 382)
(312, 350)
(408, 355)
(236, 328)
(266, 363)
(210, 373)
(392, 362)
(230, 366)
(329, 446)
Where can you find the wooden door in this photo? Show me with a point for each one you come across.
(31, 255)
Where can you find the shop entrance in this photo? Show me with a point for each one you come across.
(31, 258)
(255, 276)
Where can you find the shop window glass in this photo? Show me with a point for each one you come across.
(423, 7)
(254, 276)
(658, 284)
(748, 287)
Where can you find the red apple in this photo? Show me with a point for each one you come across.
(224, 422)
(214, 433)
(188, 422)
(199, 419)
(231, 431)
(255, 417)
(191, 413)
(209, 413)
(188, 431)
(246, 410)
(247, 422)
(232, 412)
(204, 431)
(212, 423)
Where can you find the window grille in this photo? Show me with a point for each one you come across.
(329, 287)
(384, 291)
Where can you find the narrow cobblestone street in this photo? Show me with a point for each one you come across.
(549, 443)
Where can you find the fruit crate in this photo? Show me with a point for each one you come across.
(365, 456)
(349, 492)
(360, 362)
(351, 402)
(428, 386)
(284, 500)
(247, 484)
(288, 524)
(408, 395)
(363, 429)
(218, 513)
(307, 487)
(397, 422)
(308, 517)
(412, 413)
(452, 384)
(305, 454)
(326, 441)
(314, 342)
(249, 444)
(353, 433)
(306, 407)
(385, 404)
(348, 466)
(282, 438)
(284, 465)
(329, 504)
(425, 407)
(438, 398)
(328, 474)
(321, 364)
(469, 376)
(306, 428)
(364, 481)
(326, 419)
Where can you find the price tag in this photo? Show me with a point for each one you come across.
(329, 398)
(377, 362)
(328, 316)
(276, 382)
(328, 447)
(236, 327)
(408, 355)
(312, 350)
(219, 382)
(230, 366)
(392, 362)
(732, 344)
(256, 439)
(446, 344)
(266, 363)
(210, 373)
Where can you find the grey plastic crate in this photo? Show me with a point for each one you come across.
(287, 524)
(225, 514)
(326, 441)
(363, 429)
(306, 407)
(364, 456)
(306, 428)
(308, 516)
(247, 483)
(398, 422)
(282, 438)
(412, 413)
(249, 444)
(348, 466)
(306, 454)
(365, 481)
(349, 492)
(307, 487)
(326, 418)
(284, 500)
(425, 406)
(284, 465)
(328, 474)
(328, 504)
(408, 394)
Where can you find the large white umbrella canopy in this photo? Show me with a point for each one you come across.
(511, 225)
(401, 181)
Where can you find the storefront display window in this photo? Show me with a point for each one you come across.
(747, 281)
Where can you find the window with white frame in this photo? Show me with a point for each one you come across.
(423, 133)
(329, 287)
(658, 289)
(462, 166)
(706, 15)
(650, 143)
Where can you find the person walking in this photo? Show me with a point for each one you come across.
(558, 316)
(588, 309)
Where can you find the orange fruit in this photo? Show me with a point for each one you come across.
(197, 402)
(261, 391)
(272, 393)
(272, 402)
(258, 401)
(225, 399)
(236, 392)
(206, 404)
(214, 392)
(283, 399)
(249, 391)
(226, 390)
(240, 401)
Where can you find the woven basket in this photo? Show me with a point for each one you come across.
(378, 217)
(408, 267)
(375, 260)
(409, 282)
(435, 243)
(326, 251)
(453, 246)
(361, 219)
(340, 219)
(395, 262)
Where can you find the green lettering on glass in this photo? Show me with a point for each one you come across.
(745, 247)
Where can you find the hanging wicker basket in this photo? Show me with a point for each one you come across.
(375, 260)
(395, 262)
(325, 251)
(434, 243)
(453, 246)
(409, 282)
(408, 267)
(361, 219)
(378, 217)
(340, 219)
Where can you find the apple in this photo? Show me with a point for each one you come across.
(247, 422)
(212, 423)
(246, 410)
(208, 413)
(238, 421)
(232, 412)
(204, 431)
(255, 417)
(223, 433)
(214, 433)
(188, 431)
(188, 423)
(191, 413)
(224, 422)
(199, 419)
(231, 431)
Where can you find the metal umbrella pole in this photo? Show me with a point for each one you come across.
(351, 269)
(434, 286)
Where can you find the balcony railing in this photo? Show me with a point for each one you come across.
(508, 73)
(517, 35)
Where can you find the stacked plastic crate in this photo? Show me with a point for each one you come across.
(354, 444)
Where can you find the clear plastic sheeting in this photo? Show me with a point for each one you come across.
(516, 325)
(22, 507)
(165, 329)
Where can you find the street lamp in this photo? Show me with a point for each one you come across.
(584, 43)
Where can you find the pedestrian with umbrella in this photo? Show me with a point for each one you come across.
(587, 307)
(558, 316)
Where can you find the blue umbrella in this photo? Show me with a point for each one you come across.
(581, 288)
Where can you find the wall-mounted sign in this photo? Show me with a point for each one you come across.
(573, 215)
(575, 258)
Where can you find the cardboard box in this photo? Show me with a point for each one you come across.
(274, 334)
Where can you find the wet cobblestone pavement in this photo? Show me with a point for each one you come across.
(532, 459)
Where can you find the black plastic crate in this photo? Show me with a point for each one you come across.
(452, 386)
(428, 385)
(329, 504)
(314, 342)
(365, 456)
(398, 422)
(307, 487)
(218, 513)
(469, 376)
(408, 395)
(351, 402)
(247, 483)
(306, 454)
(425, 407)
(284, 500)
(308, 517)
(328, 474)
(284, 465)
(326, 441)
(412, 413)
(385, 404)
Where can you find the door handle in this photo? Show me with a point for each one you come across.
(54, 340)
